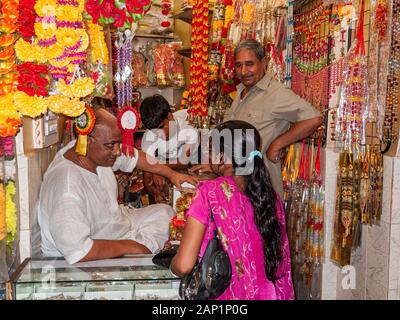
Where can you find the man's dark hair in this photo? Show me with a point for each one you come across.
(154, 110)
(253, 45)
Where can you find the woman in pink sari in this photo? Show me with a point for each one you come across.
(248, 215)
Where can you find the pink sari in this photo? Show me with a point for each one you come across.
(234, 218)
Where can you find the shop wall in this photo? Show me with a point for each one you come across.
(31, 168)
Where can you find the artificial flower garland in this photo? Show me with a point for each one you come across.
(7, 146)
(26, 19)
(61, 37)
(11, 212)
(80, 88)
(9, 117)
(8, 26)
(119, 13)
(3, 225)
(199, 63)
(99, 50)
(32, 79)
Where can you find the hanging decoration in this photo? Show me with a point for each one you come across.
(360, 176)
(33, 79)
(3, 225)
(128, 122)
(390, 124)
(11, 212)
(98, 63)
(289, 44)
(84, 125)
(10, 120)
(198, 113)
(26, 19)
(118, 13)
(123, 75)
(304, 207)
(8, 26)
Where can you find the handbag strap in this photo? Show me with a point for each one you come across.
(211, 221)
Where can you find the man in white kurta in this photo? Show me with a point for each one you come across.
(78, 206)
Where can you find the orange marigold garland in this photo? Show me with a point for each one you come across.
(199, 65)
(8, 26)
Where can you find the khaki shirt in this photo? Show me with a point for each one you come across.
(271, 107)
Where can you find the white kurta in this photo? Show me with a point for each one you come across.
(77, 206)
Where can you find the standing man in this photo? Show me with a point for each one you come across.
(270, 106)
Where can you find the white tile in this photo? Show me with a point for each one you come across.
(329, 282)
(395, 218)
(24, 244)
(394, 257)
(358, 262)
(330, 270)
(23, 191)
(376, 291)
(378, 239)
(393, 295)
(387, 189)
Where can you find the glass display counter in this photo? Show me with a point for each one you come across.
(132, 277)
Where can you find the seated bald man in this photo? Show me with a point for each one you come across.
(78, 212)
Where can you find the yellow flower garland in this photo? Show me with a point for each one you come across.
(68, 37)
(68, 13)
(11, 212)
(45, 31)
(46, 7)
(30, 106)
(80, 88)
(27, 52)
(62, 104)
(99, 50)
(3, 225)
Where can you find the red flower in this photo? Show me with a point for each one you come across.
(106, 8)
(165, 24)
(95, 76)
(32, 79)
(92, 7)
(119, 17)
(26, 18)
(136, 6)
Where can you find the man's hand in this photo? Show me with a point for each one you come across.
(274, 153)
(159, 197)
(178, 178)
(200, 168)
(159, 182)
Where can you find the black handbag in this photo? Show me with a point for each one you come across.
(211, 276)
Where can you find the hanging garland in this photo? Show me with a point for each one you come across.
(199, 65)
(10, 120)
(3, 225)
(11, 212)
(8, 26)
(390, 125)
